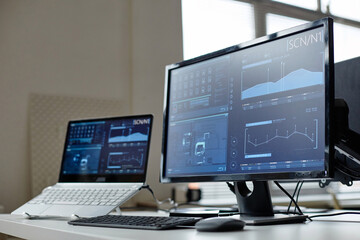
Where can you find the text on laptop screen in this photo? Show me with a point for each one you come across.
(109, 146)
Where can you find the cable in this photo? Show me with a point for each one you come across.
(231, 187)
(288, 194)
(293, 196)
(334, 214)
(298, 193)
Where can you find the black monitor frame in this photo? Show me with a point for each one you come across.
(327, 24)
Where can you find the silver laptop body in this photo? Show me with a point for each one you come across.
(104, 164)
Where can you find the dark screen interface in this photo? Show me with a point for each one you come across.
(257, 110)
(107, 147)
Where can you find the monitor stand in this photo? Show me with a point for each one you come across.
(256, 206)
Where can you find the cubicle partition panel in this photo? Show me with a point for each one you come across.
(47, 123)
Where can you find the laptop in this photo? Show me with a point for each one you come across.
(103, 165)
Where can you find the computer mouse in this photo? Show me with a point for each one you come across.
(219, 224)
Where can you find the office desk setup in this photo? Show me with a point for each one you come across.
(339, 227)
(217, 127)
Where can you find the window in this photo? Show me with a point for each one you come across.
(309, 4)
(210, 25)
(275, 23)
(342, 8)
(346, 42)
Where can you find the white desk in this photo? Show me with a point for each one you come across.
(59, 229)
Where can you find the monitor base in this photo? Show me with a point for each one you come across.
(274, 220)
(256, 202)
(204, 212)
(256, 206)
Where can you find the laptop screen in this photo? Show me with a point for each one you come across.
(107, 150)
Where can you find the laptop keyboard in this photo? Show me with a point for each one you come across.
(91, 196)
(137, 222)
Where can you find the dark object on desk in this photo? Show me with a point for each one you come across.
(136, 222)
(219, 224)
(203, 212)
(193, 195)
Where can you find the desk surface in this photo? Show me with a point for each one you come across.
(342, 227)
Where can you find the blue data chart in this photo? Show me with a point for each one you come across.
(122, 160)
(297, 79)
(263, 139)
(127, 134)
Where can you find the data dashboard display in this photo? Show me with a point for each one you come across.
(112, 146)
(257, 110)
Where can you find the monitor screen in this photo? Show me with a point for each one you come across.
(254, 111)
(113, 148)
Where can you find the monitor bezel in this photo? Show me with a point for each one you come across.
(327, 24)
(108, 178)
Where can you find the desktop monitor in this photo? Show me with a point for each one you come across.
(261, 110)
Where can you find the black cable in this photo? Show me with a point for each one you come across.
(334, 214)
(293, 196)
(298, 193)
(231, 187)
(288, 194)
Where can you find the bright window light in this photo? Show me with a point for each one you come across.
(343, 8)
(309, 4)
(275, 23)
(346, 42)
(210, 25)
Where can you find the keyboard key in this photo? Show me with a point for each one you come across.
(66, 202)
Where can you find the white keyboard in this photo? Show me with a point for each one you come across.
(91, 196)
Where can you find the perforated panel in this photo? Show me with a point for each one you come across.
(48, 121)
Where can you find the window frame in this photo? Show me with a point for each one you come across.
(263, 7)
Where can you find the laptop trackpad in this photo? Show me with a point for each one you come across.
(32, 209)
(60, 210)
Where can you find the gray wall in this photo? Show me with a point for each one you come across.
(157, 41)
(112, 49)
